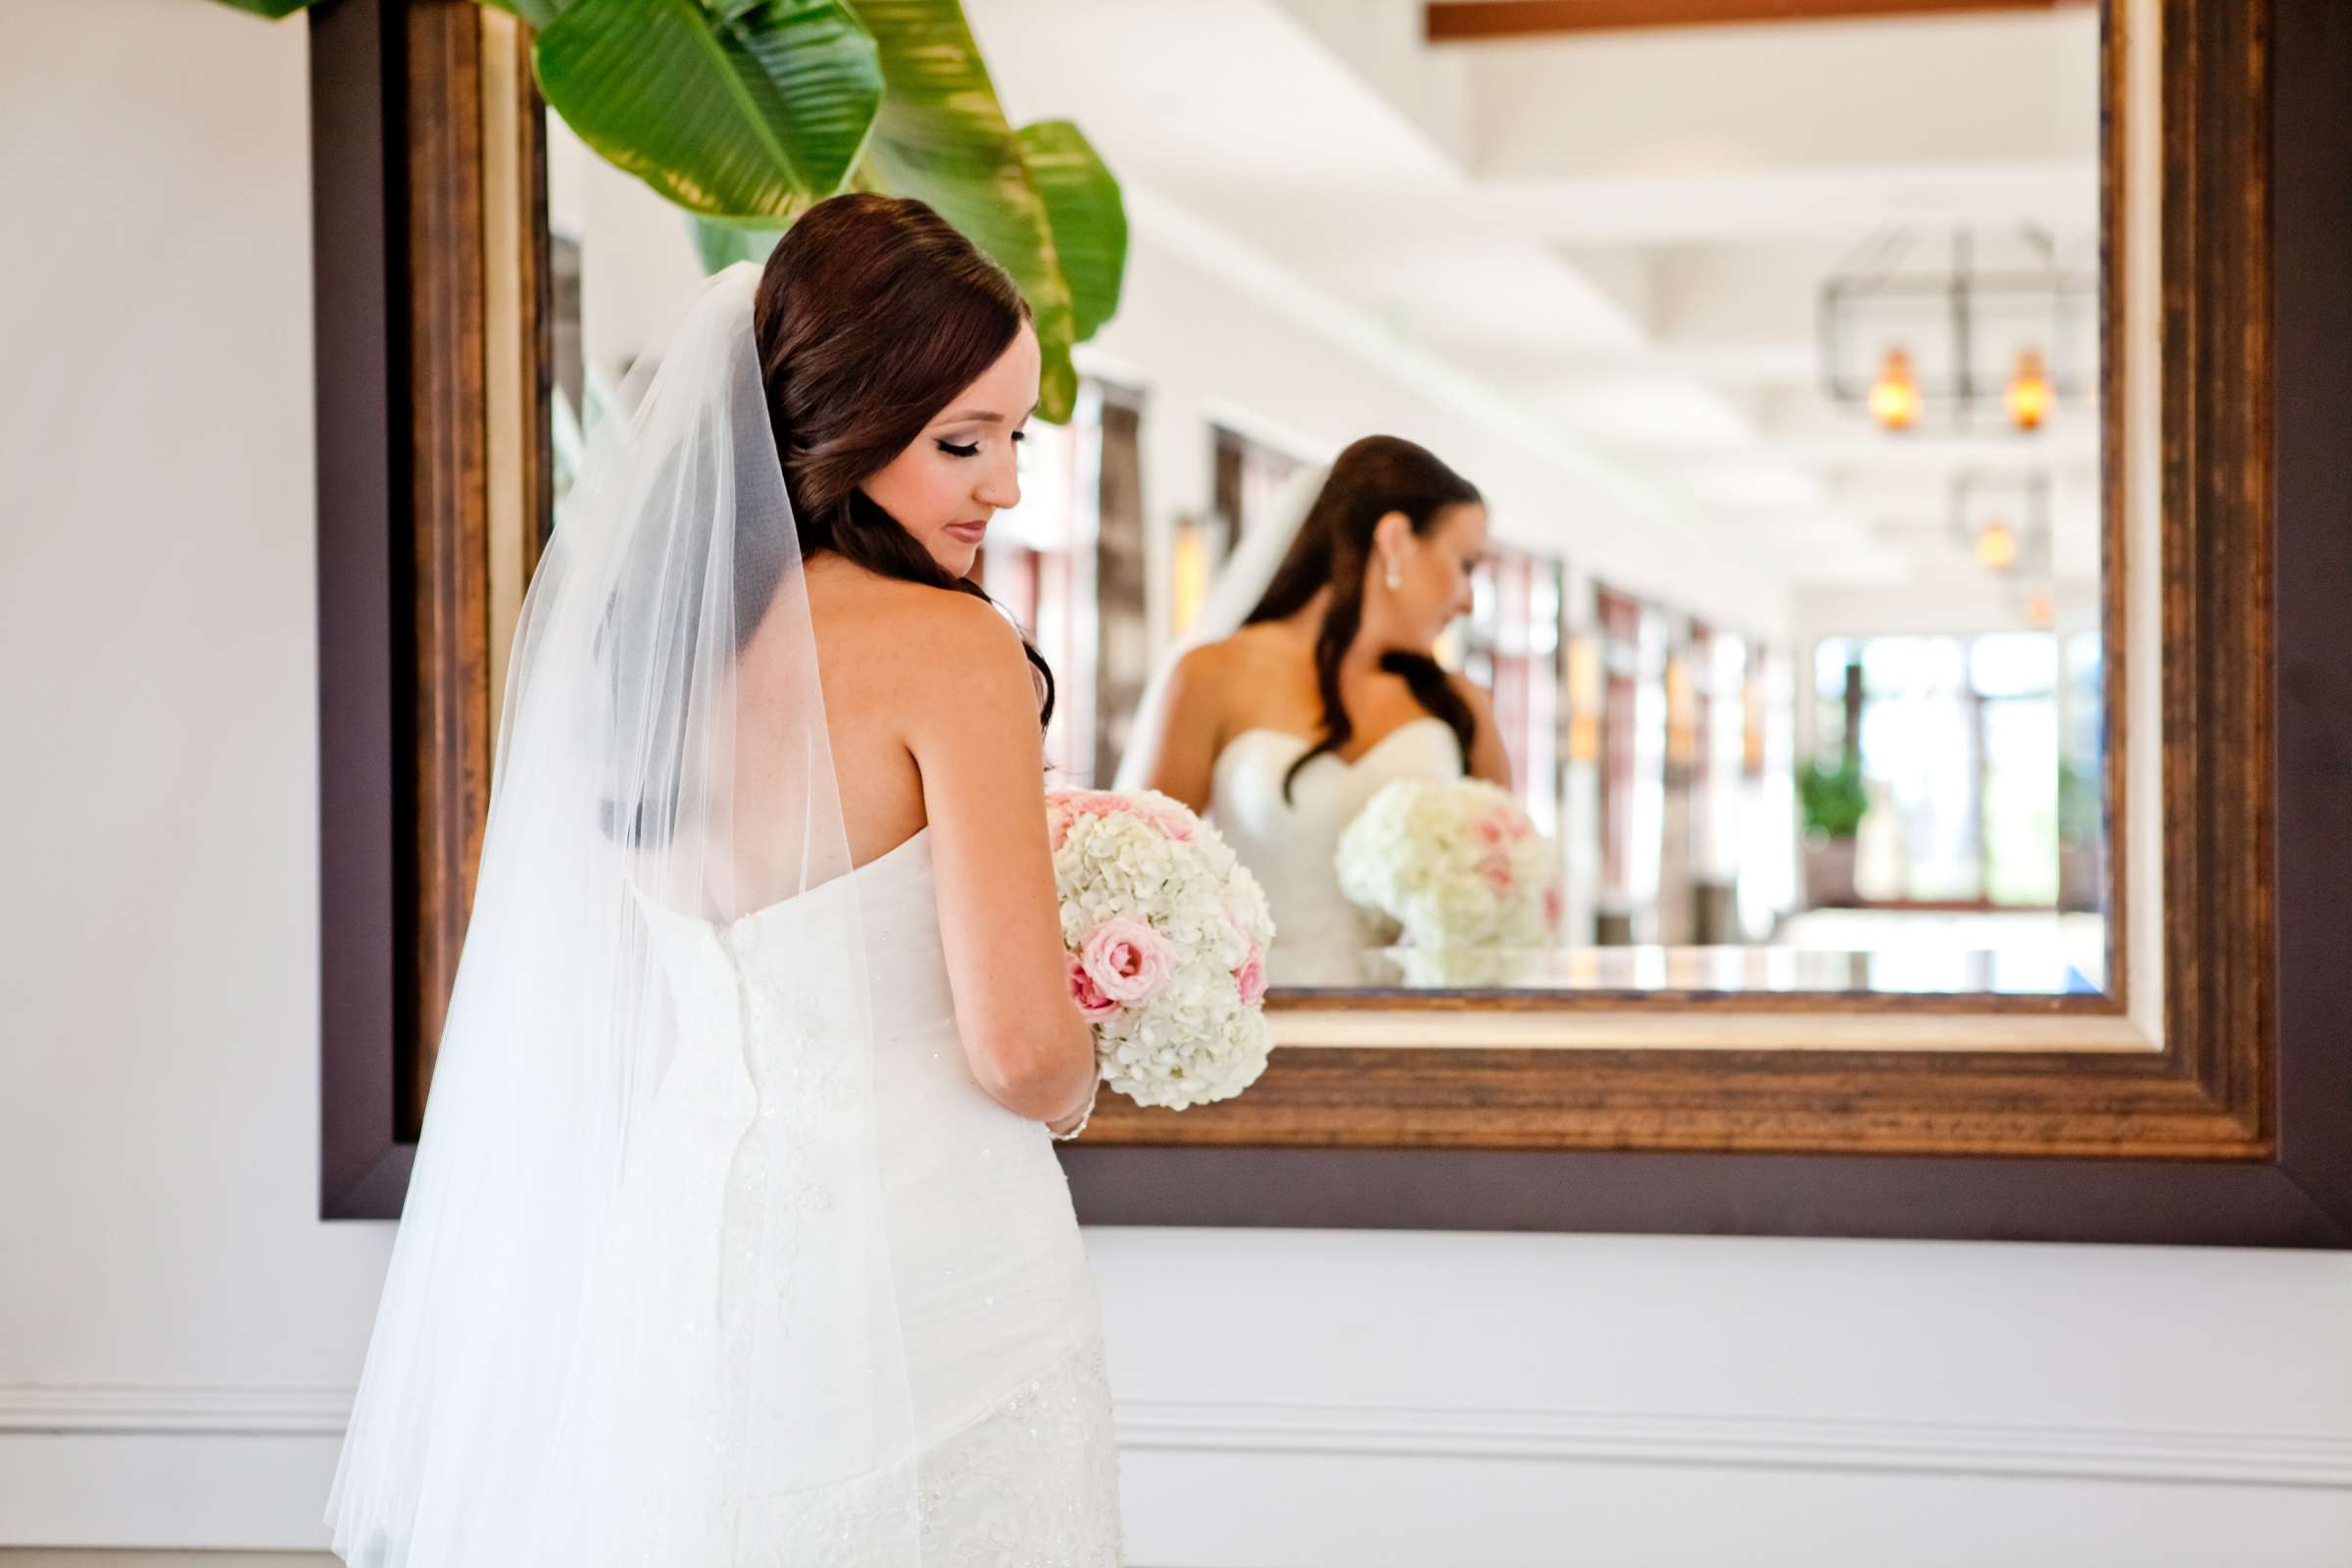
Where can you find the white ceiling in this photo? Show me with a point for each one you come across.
(1624, 235)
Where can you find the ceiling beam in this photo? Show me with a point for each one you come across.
(1473, 21)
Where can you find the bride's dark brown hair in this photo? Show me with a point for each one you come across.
(1373, 477)
(872, 313)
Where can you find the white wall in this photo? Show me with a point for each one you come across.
(157, 1015)
(177, 1334)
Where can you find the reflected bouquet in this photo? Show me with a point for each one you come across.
(1166, 934)
(1458, 864)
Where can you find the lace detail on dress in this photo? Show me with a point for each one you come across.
(787, 1169)
(1034, 1482)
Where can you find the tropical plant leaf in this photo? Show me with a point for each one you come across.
(272, 9)
(942, 136)
(746, 109)
(746, 112)
(1089, 221)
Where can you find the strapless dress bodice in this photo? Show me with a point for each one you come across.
(1290, 845)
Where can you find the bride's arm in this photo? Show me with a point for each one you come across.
(1176, 740)
(972, 727)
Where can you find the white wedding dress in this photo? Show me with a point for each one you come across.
(1320, 938)
(1014, 1461)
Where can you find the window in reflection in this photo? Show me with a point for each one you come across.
(1958, 746)
(1983, 814)
(1201, 543)
(1123, 645)
(1511, 647)
(1633, 767)
(1768, 842)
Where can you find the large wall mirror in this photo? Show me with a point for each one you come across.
(1869, 410)
(1775, 352)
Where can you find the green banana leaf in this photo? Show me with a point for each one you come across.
(1039, 200)
(744, 109)
(1089, 221)
(942, 136)
(272, 9)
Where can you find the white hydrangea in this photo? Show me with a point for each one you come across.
(1153, 903)
(1456, 866)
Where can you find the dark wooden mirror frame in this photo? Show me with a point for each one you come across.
(2237, 1130)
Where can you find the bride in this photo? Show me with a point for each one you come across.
(735, 1234)
(1328, 689)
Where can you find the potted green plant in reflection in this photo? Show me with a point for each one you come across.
(1832, 801)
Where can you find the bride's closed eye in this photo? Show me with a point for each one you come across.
(972, 449)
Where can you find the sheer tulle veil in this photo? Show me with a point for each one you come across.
(640, 1307)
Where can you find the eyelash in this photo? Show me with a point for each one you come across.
(972, 451)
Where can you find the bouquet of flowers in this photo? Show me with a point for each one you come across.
(1455, 865)
(1166, 935)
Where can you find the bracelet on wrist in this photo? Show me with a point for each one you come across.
(1084, 1116)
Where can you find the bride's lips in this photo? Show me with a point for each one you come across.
(971, 533)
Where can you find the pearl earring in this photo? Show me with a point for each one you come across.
(1396, 577)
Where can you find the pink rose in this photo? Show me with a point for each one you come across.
(1173, 825)
(1552, 905)
(1497, 870)
(1093, 1005)
(1126, 959)
(1251, 977)
(1501, 826)
(1094, 803)
(1176, 825)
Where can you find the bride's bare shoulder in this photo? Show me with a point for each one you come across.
(1247, 652)
(1212, 683)
(907, 636)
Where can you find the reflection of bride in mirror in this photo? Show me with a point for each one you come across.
(1327, 688)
